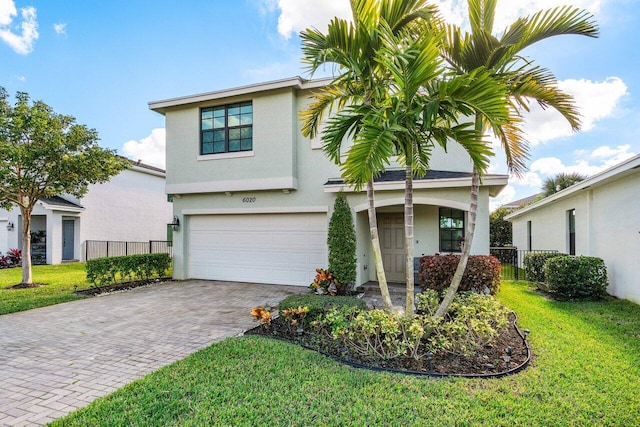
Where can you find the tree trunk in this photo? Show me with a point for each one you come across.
(377, 252)
(408, 241)
(27, 277)
(466, 247)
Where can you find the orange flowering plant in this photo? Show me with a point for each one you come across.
(295, 315)
(326, 284)
(262, 314)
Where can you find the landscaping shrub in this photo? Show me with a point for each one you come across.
(580, 277)
(482, 274)
(534, 263)
(341, 239)
(105, 271)
(325, 283)
(12, 259)
(319, 304)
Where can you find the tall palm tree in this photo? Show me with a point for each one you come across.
(422, 110)
(559, 182)
(358, 87)
(525, 82)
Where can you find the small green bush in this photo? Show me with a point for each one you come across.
(482, 274)
(534, 264)
(580, 277)
(319, 304)
(341, 239)
(105, 271)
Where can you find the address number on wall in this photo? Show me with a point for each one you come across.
(248, 200)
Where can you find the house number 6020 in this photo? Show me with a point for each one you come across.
(248, 200)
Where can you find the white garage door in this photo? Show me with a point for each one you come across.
(262, 248)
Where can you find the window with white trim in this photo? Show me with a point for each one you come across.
(226, 128)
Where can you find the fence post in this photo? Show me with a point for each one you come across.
(150, 246)
(107, 249)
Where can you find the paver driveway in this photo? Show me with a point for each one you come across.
(59, 358)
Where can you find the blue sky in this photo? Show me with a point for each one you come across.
(103, 61)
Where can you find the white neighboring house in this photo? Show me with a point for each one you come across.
(598, 217)
(132, 206)
(254, 197)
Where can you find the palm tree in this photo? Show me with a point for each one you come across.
(357, 88)
(525, 81)
(422, 110)
(559, 182)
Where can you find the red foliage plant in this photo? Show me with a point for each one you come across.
(482, 274)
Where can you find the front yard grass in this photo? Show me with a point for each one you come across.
(585, 372)
(58, 281)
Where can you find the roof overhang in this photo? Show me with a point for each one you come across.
(628, 167)
(61, 208)
(294, 82)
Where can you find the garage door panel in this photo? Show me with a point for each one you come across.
(266, 248)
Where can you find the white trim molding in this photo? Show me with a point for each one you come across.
(416, 201)
(231, 155)
(284, 183)
(249, 211)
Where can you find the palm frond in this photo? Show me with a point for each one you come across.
(481, 15)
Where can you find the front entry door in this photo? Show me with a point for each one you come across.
(392, 245)
(68, 238)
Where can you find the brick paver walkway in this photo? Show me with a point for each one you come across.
(56, 359)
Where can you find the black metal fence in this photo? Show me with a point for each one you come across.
(511, 259)
(102, 248)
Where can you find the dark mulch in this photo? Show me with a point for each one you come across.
(489, 360)
(26, 286)
(98, 290)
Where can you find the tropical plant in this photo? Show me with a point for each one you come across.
(43, 154)
(341, 239)
(358, 87)
(561, 181)
(500, 230)
(526, 82)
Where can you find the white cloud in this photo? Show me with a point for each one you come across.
(23, 41)
(595, 101)
(528, 179)
(507, 195)
(60, 28)
(150, 149)
(297, 15)
(598, 160)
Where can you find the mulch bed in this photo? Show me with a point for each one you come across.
(125, 286)
(489, 361)
(26, 286)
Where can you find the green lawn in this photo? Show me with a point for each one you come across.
(58, 280)
(585, 372)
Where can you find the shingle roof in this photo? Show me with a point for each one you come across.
(398, 175)
(59, 201)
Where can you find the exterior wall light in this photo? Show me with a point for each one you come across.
(175, 225)
(9, 226)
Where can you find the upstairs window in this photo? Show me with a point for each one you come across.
(226, 128)
(451, 230)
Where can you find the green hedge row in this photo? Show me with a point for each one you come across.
(534, 264)
(576, 277)
(105, 271)
(319, 304)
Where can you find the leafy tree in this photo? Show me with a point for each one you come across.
(357, 88)
(559, 182)
(502, 56)
(342, 242)
(500, 230)
(43, 154)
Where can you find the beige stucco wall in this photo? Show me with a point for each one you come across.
(607, 226)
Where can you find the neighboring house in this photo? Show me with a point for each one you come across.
(599, 217)
(132, 206)
(254, 197)
(521, 203)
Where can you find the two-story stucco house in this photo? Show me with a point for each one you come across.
(599, 217)
(254, 197)
(131, 206)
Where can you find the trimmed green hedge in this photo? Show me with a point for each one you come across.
(534, 264)
(319, 304)
(580, 277)
(105, 271)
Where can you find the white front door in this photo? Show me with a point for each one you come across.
(392, 245)
(261, 248)
(68, 237)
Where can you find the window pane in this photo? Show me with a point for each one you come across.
(207, 113)
(218, 112)
(246, 144)
(234, 145)
(233, 120)
(457, 223)
(246, 108)
(207, 148)
(218, 122)
(218, 136)
(207, 137)
(246, 119)
(246, 133)
(234, 110)
(218, 147)
(234, 133)
(207, 124)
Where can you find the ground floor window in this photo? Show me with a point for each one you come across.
(451, 230)
(571, 219)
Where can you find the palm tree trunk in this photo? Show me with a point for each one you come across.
(408, 241)
(27, 277)
(377, 252)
